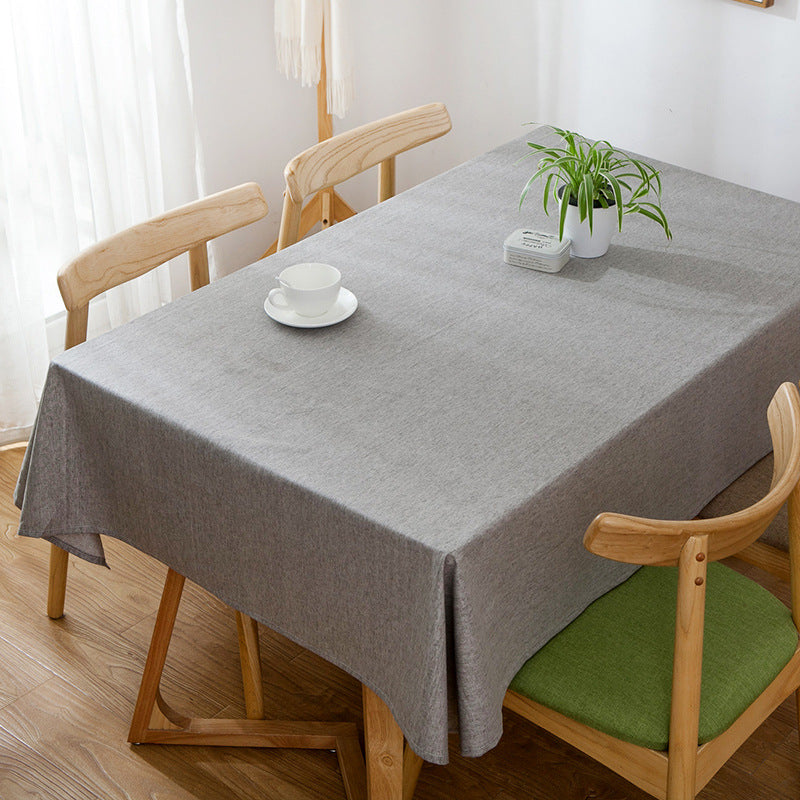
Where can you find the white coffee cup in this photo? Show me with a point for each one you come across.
(308, 289)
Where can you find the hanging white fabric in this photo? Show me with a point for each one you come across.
(298, 43)
(96, 134)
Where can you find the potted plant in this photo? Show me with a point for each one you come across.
(594, 186)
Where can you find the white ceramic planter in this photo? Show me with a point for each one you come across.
(596, 243)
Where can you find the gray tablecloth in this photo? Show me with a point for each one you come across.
(405, 493)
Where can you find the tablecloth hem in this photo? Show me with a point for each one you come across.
(65, 545)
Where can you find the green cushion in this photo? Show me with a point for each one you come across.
(612, 667)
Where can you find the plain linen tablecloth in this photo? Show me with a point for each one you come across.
(405, 493)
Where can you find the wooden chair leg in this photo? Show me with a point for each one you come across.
(383, 741)
(797, 707)
(250, 657)
(684, 719)
(57, 584)
(412, 765)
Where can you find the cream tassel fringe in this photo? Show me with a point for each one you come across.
(298, 38)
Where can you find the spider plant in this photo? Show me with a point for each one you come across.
(593, 175)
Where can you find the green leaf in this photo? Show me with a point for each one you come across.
(617, 189)
(550, 178)
(655, 212)
(524, 194)
(589, 194)
(657, 178)
(582, 201)
(563, 205)
(570, 139)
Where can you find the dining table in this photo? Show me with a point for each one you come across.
(405, 492)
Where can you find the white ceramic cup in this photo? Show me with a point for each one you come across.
(307, 289)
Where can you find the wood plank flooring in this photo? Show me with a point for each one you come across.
(67, 691)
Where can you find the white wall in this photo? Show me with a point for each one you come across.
(713, 85)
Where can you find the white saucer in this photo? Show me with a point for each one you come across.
(346, 303)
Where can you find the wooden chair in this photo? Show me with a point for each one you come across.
(341, 157)
(103, 266)
(127, 255)
(610, 683)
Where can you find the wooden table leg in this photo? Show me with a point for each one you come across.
(383, 741)
(412, 765)
(250, 657)
(154, 722)
(147, 705)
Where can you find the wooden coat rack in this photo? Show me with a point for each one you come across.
(327, 206)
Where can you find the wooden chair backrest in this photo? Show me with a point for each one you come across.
(636, 540)
(343, 156)
(143, 247)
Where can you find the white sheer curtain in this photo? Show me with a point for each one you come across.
(96, 133)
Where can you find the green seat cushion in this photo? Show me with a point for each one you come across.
(611, 668)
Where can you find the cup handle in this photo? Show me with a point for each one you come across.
(273, 296)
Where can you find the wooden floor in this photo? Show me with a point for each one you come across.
(67, 690)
